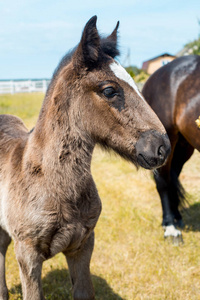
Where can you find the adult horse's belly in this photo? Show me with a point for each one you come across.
(186, 115)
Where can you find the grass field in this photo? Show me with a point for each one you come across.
(131, 260)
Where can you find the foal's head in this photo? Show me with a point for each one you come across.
(104, 103)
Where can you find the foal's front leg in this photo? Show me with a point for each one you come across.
(30, 265)
(79, 267)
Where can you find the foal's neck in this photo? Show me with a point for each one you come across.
(59, 140)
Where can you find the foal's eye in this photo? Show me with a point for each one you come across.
(109, 92)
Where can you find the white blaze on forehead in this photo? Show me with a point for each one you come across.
(122, 74)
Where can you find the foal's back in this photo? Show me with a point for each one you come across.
(13, 135)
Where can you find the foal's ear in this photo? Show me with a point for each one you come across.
(113, 36)
(88, 50)
(109, 44)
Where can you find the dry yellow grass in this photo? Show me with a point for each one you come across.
(131, 260)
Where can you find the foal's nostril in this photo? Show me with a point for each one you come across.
(161, 152)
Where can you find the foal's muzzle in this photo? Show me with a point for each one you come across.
(152, 149)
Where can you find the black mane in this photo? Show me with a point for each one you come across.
(108, 47)
(64, 61)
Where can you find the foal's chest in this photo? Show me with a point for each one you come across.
(73, 231)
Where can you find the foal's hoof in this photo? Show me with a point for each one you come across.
(173, 235)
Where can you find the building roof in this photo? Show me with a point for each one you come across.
(162, 55)
(145, 63)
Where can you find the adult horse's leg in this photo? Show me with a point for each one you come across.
(169, 188)
(163, 181)
(4, 243)
(30, 265)
(79, 267)
(163, 178)
(183, 151)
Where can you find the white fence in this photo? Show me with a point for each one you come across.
(29, 86)
(23, 86)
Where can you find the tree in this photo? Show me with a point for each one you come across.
(194, 47)
(138, 75)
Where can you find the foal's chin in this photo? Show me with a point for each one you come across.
(151, 163)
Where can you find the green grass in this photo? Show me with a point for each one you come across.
(131, 260)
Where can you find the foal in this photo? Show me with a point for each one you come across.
(48, 200)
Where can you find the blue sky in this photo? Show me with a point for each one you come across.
(34, 35)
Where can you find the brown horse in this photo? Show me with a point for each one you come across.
(173, 92)
(48, 200)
